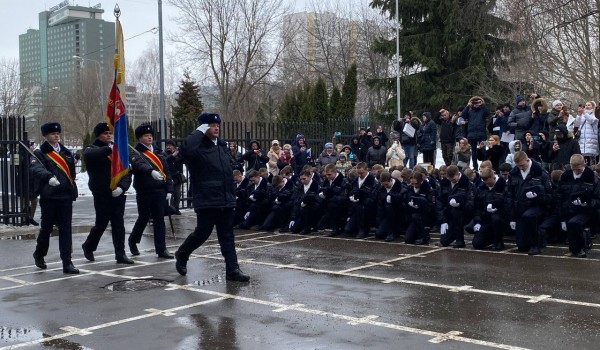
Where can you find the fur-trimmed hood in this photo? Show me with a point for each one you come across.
(541, 104)
(477, 98)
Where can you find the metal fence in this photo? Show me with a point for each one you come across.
(14, 171)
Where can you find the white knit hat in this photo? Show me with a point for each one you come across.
(555, 102)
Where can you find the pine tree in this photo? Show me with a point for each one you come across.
(306, 106)
(348, 100)
(455, 46)
(189, 105)
(319, 101)
(334, 102)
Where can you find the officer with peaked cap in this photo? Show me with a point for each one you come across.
(109, 204)
(54, 169)
(153, 185)
(211, 174)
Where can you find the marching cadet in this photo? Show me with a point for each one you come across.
(390, 207)
(454, 207)
(528, 191)
(153, 186)
(420, 199)
(211, 172)
(109, 205)
(578, 196)
(333, 192)
(362, 205)
(54, 169)
(488, 224)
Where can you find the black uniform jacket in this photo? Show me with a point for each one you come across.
(97, 162)
(43, 168)
(142, 168)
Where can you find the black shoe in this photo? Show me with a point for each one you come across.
(284, 230)
(459, 244)
(255, 228)
(498, 246)
(334, 233)
(361, 235)
(133, 248)
(70, 269)
(305, 232)
(123, 259)
(580, 254)
(88, 253)
(33, 222)
(534, 251)
(390, 238)
(165, 255)
(237, 275)
(39, 262)
(177, 212)
(180, 265)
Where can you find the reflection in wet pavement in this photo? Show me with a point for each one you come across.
(20, 335)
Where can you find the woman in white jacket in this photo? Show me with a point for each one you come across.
(587, 125)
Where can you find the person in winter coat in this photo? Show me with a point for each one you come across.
(475, 114)
(379, 132)
(539, 114)
(285, 158)
(587, 125)
(273, 155)
(446, 135)
(359, 152)
(454, 207)
(428, 139)
(494, 152)
(236, 156)
(513, 146)
(460, 126)
(559, 114)
(408, 140)
(343, 164)
(376, 153)
(500, 125)
(462, 154)
(255, 157)
(302, 154)
(395, 154)
(563, 146)
(328, 156)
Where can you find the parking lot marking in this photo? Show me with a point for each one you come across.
(75, 330)
(366, 319)
(444, 337)
(539, 298)
(289, 307)
(388, 262)
(15, 280)
(161, 312)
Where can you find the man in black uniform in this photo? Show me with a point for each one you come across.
(210, 167)
(454, 207)
(152, 182)
(176, 171)
(108, 204)
(54, 169)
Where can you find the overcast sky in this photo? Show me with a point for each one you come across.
(138, 16)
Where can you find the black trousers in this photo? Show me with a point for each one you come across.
(491, 231)
(390, 223)
(59, 211)
(278, 217)
(334, 216)
(575, 226)
(206, 220)
(456, 227)
(151, 205)
(361, 218)
(416, 229)
(527, 234)
(307, 219)
(108, 209)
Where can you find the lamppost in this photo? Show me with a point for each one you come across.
(398, 60)
(99, 78)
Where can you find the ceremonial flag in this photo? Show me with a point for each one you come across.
(116, 116)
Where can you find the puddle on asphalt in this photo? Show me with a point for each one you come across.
(20, 335)
(218, 279)
(33, 236)
(136, 285)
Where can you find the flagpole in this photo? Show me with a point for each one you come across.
(163, 133)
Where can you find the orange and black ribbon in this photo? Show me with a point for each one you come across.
(157, 163)
(61, 164)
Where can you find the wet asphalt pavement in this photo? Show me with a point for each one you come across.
(306, 292)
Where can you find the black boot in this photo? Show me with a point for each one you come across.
(390, 238)
(87, 253)
(133, 248)
(69, 268)
(123, 259)
(180, 264)
(39, 261)
(237, 275)
(334, 233)
(165, 254)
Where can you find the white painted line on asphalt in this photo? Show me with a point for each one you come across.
(387, 262)
(15, 280)
(445, 337)
(539, 298)
(161, 312)
(460, 289)
(289, 307)
(86, 331)
(367, 320)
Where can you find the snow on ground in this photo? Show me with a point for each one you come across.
(82, 185)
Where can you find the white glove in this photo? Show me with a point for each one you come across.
(302, 204)
(388, 199)
(157, 176)
(531, 195)
(491, 209)
(117, 192)
(53, 181)
(292, 224)
(252, 198)
(353, 200)
(413, 205)
(579, 203)
(348, 220)
(246, 215)
(443, 228)
(563, 226)
(277, 201)
(477, 227)
(453, 203)
(513, 225)
(322, 195)
(169, 195)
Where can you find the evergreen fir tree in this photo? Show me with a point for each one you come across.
(319, 101)
(306, 106)
(454, 45)
(348, 101)
(189, 105)
(334, 102)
